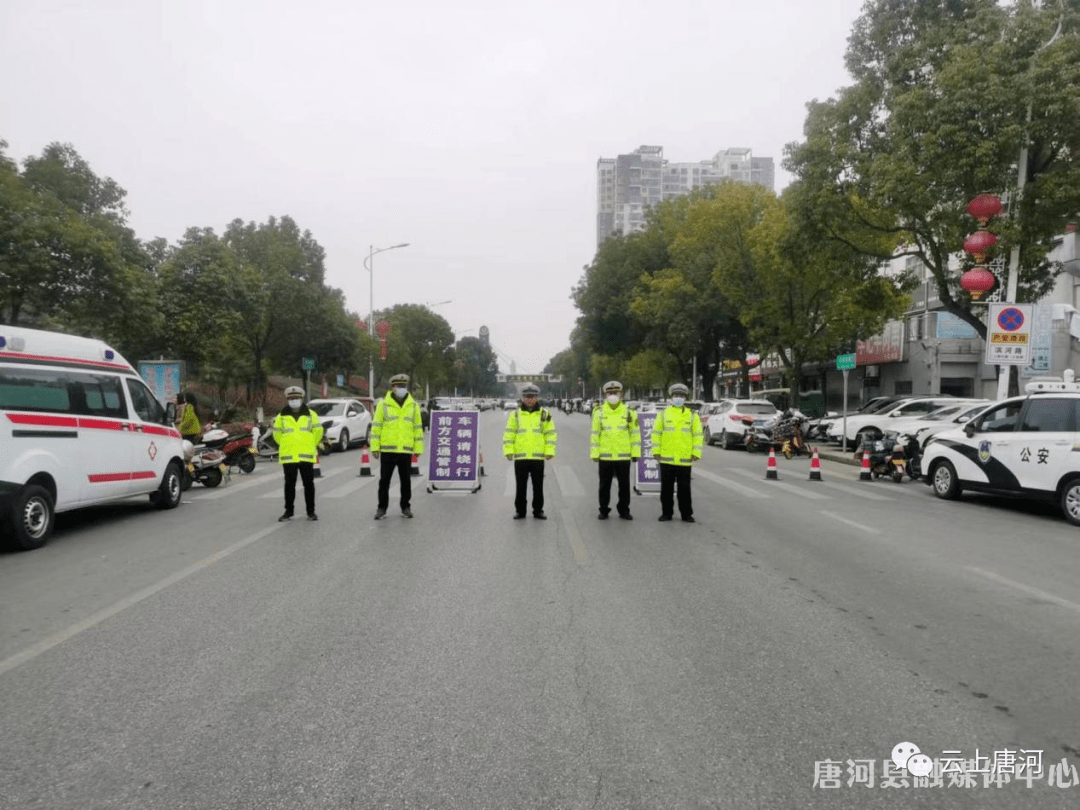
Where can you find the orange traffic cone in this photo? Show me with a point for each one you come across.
(482, 465)
(365, 464)
(815, 467)
(864, 473)
(318, 471)
(415, 470)
(770, 472)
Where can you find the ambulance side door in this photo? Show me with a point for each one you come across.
(109, 436)
(150, 445)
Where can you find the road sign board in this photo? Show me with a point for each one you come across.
(1008, 334)
(308, 364)
(845, 362)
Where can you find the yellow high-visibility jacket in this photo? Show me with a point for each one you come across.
(676, 436)
(397, 428)
(529, 434)
(615, 434)
(297, 437)
(189, 421)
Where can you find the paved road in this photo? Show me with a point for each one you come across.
(211, 657)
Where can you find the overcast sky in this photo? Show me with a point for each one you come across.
(470, 129)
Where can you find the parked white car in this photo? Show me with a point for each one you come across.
(1025, 447)
(345, 421)
(944, 418)
(874, 425)
(726, 425)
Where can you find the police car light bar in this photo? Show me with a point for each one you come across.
(1054, 384)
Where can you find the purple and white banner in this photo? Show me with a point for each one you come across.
(647, 469)
(454, 459)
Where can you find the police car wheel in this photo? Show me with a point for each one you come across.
(343, 441)
(944, 480)
(32, 517)
(168, 494)
(1070, 501)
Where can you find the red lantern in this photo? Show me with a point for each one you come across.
(979, 244)
(382, 329)
(985, 207)
(977, 281)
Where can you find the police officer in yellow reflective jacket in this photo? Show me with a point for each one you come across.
(528, 440)
(298, 434)
(615, 443)
(676, 444)
(397, 434)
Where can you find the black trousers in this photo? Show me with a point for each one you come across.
(670, 474)
(524, 469)
(306, 469)
(388, 462)
(620, 471)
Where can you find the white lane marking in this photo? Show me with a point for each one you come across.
(230, 488)
(569, 484)
(581, 554)
(854, 490)
(95, 619)
(347, 489)
(739, 488)
(852, 523)
(1036, 592)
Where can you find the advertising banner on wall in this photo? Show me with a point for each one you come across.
(647, 469)
(888, 347)
(163, 377)
(1042, 341)
(454, 459)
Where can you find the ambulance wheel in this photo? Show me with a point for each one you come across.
(32, 517)
(1070, 501)
(343, 441)
(168, 494)
(212, 477)
(247, 463)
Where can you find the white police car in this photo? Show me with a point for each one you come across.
(1026, 447)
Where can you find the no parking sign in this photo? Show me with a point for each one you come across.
(1008, 334)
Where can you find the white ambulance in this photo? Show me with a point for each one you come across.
(78, 427)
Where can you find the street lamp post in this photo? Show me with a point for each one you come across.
(369, 265)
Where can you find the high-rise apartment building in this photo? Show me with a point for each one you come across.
(627, 185)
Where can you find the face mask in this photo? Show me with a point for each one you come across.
(295, 403)
(678, 402)
(613, 399)
(399, 391)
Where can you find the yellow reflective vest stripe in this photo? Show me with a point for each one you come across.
(529, 434)
(677, 436)
(298, 438)
(397, 428)
(615, 435)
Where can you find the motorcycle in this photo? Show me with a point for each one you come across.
(789, 432)
(239, 448)
(203, 464)
(757, 438)
(906, 457)
(886, 457)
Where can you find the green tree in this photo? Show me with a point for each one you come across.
(67, 260)
(477, 369)
(420, 344)
(945, 95)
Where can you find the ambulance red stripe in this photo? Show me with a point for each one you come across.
(75, 361)
(107, 478)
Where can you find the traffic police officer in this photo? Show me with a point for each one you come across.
(298, 434)
(397, 434)
(528, 440)
(676, 444)
(616, 442)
